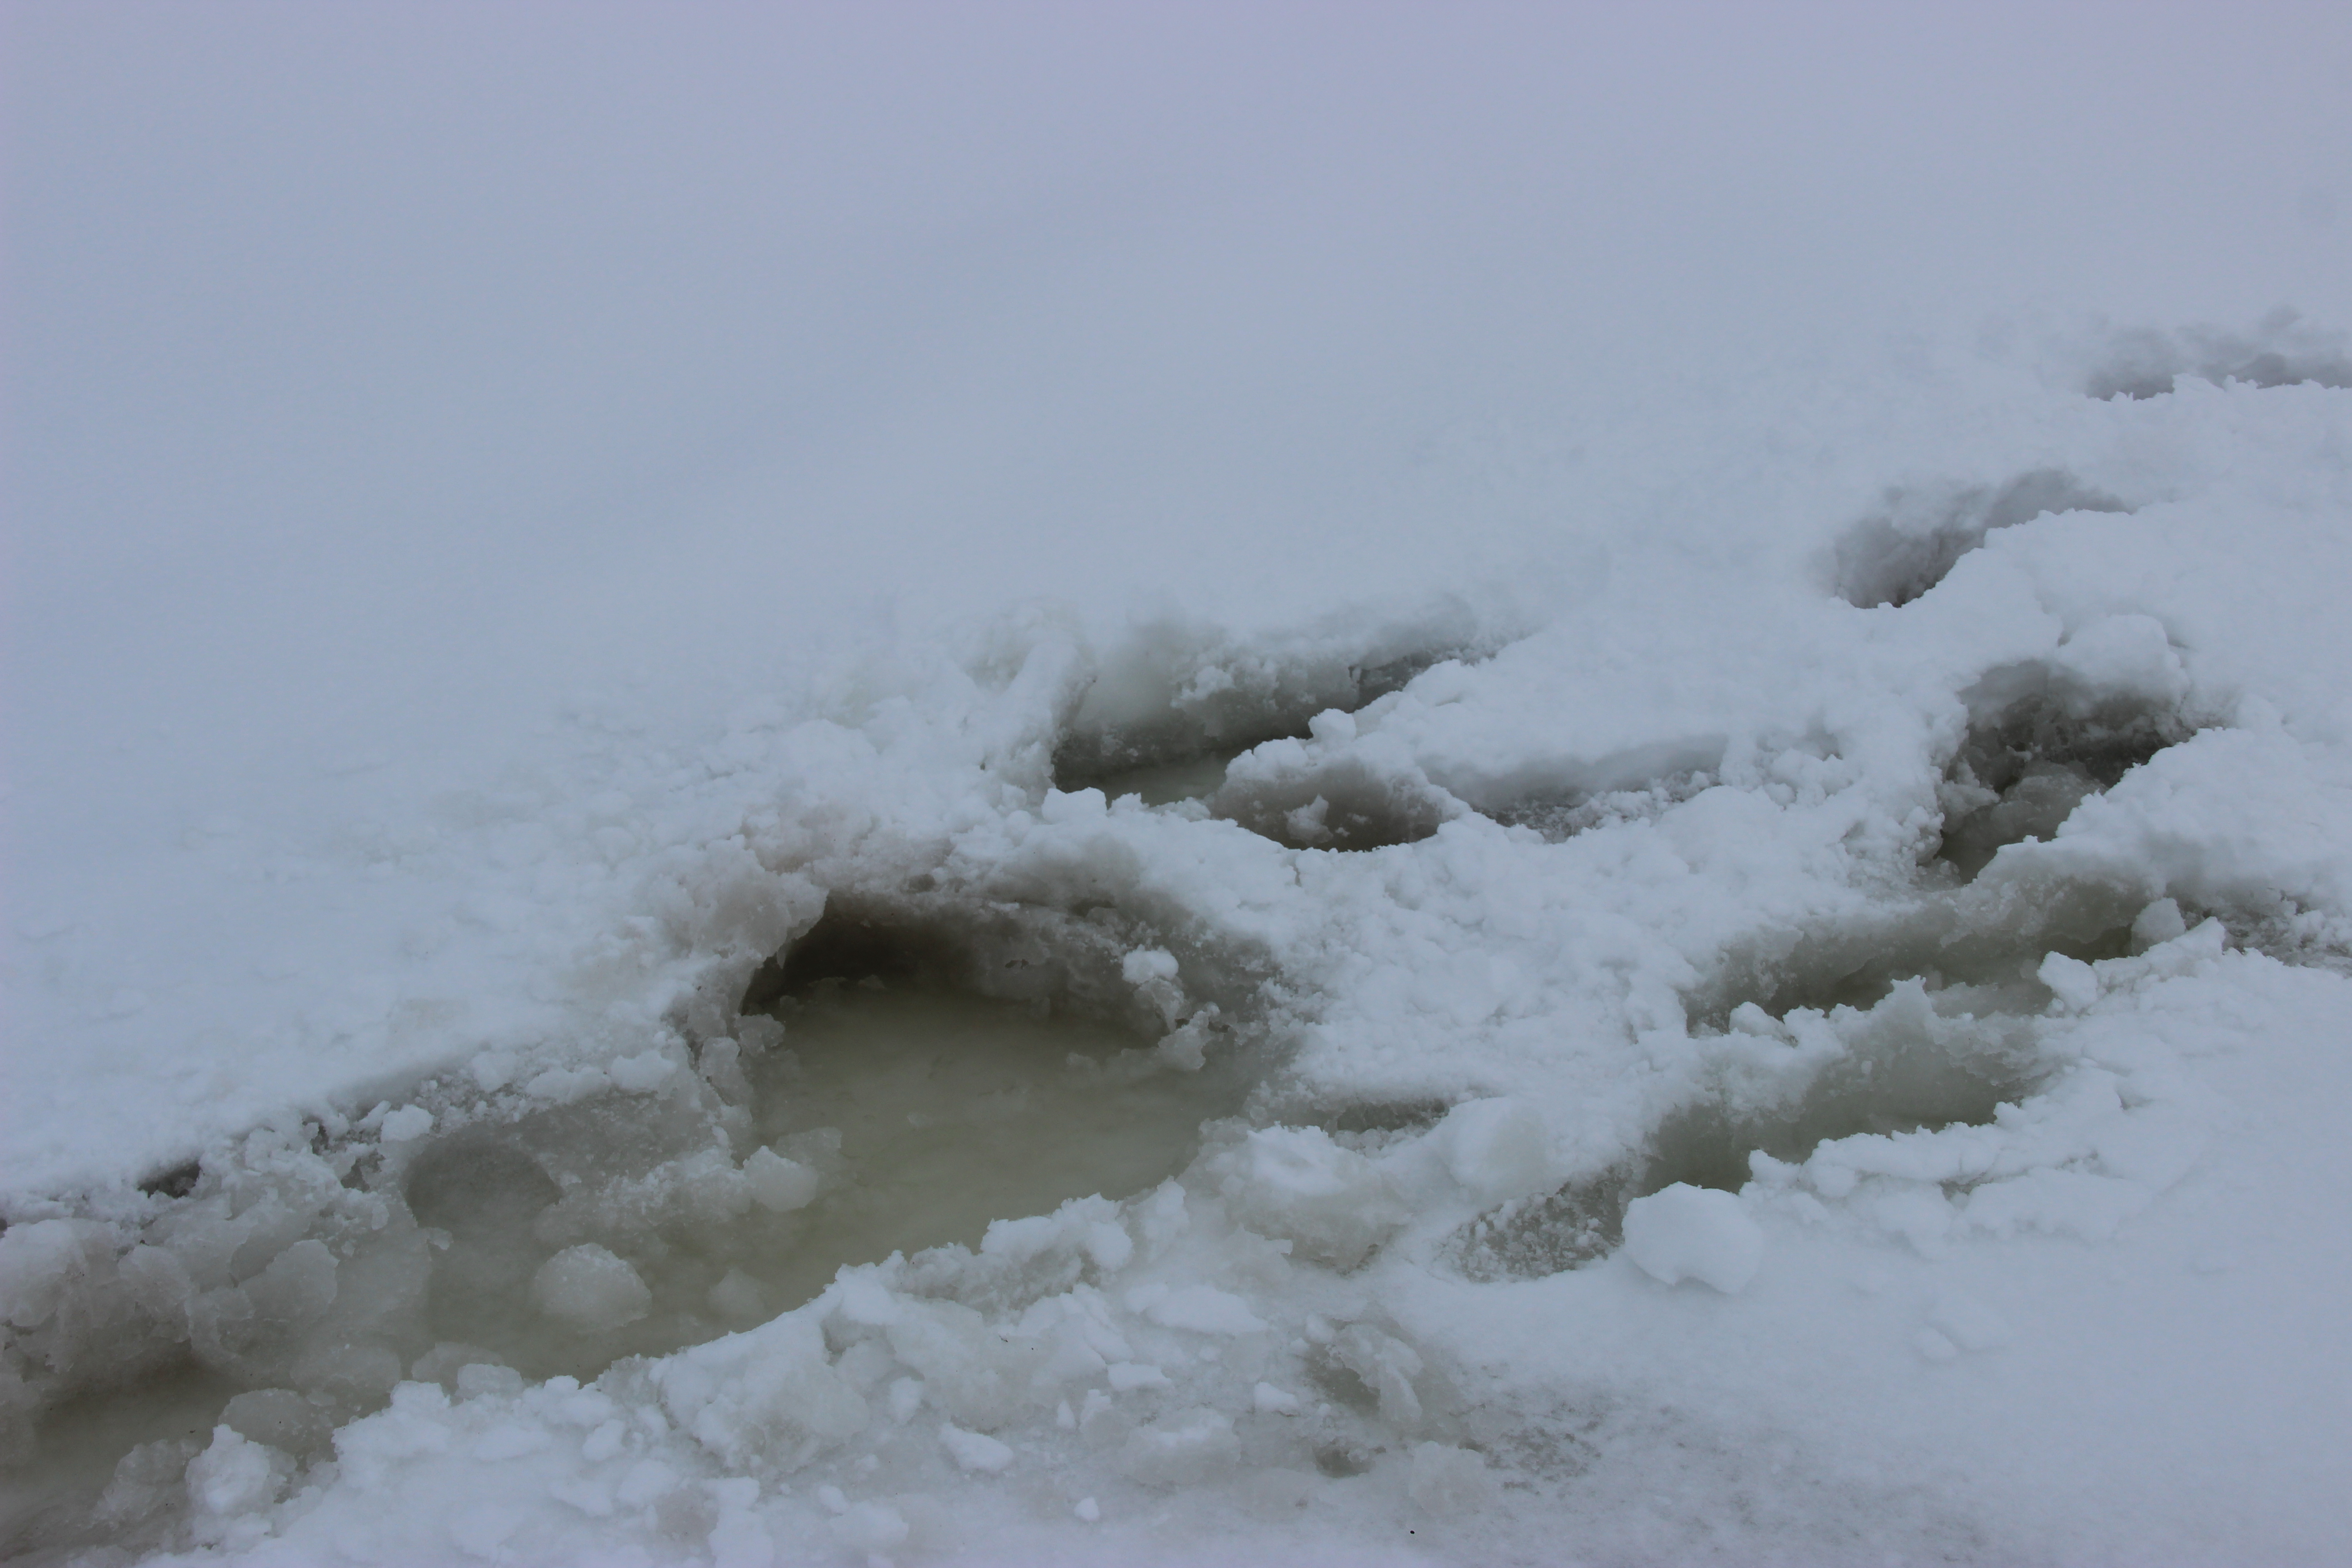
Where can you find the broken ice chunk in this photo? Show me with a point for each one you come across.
(974, 1451)
(779, 1184)
(2074, 981)
(407, 1124)
(590, 1287)
(280, 1418)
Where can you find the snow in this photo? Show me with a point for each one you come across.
(1177, 789)
(1681, 1232)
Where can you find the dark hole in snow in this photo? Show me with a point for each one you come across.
(1163, 723)
(1921, 1021)
(175, 1182)
(928, 1114)
(1058, 961)
(1341, 803)
(1912, 543)
(1165, 783)
(1917, 1059)
(1564, 815)
(1386, 1115)
(917, 1077)
(849, 944)
(1859, 969)
(2281, 350)
(2026, 765)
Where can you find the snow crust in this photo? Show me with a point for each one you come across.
(1745, 954)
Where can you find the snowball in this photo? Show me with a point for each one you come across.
(1146, 964)
(407, 1124)
(590, 1287)
(1694, 1233)
(779, 1184)
(2124, 654)
(1446, 1480)
(1332, 727)
(1268, 1400)
(2159, 923)
(2075, 982)
(1088, 1510)
(973, 1451)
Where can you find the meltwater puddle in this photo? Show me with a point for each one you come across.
(888, 1120)
(931, 1115)
(884, 1119)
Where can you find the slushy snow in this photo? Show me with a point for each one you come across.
(1571, 829)
(1876, 1058)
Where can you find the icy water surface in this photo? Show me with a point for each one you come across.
(1164, 783)
(952, 1111)
(885, 1121)
(888, 1120)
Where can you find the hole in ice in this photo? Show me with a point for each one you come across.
(1280, 791)
(1165, 783)
(2034, 750)
(1168, 712)
(892, 1103)
(1919, 1020)
(1329, 802)
(926, 1115)
(1920, 1057)
(175, 1182)
(1565, 813)
(1386, 1115)
(1919, 534)
(887, 1109)
(2282, 350)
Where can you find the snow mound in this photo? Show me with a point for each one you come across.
(1683, 1232)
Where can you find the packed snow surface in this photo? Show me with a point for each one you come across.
(1359, 844)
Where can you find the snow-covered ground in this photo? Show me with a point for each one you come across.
(1687, 676)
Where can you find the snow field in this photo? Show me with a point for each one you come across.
(1833, 1071)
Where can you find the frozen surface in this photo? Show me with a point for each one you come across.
(1205, 790)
